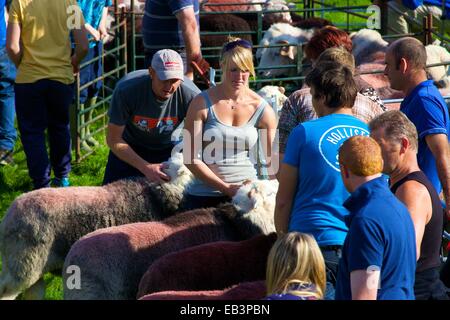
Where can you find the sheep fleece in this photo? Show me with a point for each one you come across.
(112, 261)
(210, 266)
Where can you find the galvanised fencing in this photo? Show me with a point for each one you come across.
(123, 55)
(88, 121)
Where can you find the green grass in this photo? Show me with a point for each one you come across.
(340, 18)
(14, 181)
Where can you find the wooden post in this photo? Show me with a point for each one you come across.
(133, 37)
(427, 25)
(384, 17)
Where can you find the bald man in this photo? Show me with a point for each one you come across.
(381, 232)
(423, 104)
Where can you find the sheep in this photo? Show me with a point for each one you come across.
(274, 96)
(247, 11)
(113, 260)
(439, 74)
(221, 23)
(211, 266)
(280, 34)
(230, 5)
(369, 50)
(255, 290)
(378, 81)
(368, 46)
(270, 18)
(40, 226)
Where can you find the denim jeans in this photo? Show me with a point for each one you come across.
(91, 72)
(331, 258)
(428, 286)
(43, 105)
(8, 133)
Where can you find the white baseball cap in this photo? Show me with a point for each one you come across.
(168, 65)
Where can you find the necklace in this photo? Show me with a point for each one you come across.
(233, 105)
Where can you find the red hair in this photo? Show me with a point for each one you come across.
(327, 37)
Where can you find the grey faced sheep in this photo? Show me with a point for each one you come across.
(210, 266)
(112, 261)
(255, 290)
(40, 226)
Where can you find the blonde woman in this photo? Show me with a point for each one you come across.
(222, 127)
(295, 269)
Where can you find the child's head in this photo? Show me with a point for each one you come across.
(295, 258)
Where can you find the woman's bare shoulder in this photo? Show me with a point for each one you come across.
(255, 98)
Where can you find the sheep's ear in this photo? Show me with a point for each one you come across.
(287, 51)
(251, 193)
(282, 90)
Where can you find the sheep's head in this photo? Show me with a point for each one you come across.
(171, 194)
(179, 174)
(437, 54)
(255, 207)
(289, 40)
(273, 94)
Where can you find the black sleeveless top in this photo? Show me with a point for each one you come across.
(432, 237)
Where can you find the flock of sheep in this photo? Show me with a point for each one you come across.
(115, 233)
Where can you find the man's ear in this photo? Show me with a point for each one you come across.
(151, 72)
(344, 171)
(403, 65)
(405, 144)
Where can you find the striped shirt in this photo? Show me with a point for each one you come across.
(160, 27)
(298, 108)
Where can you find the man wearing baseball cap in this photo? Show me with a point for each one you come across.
(146, 108)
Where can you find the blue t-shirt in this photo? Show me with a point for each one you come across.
(426, 108)
(313, 148)
(92, 12)
(160, 27)
(2, 23)
(381, 237)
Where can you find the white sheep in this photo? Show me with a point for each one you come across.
(439, 74)
(112, 261)
(280, 34)
(276, 17)
(40, 226)
(274, 95)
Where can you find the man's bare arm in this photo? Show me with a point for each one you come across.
(191, 37)
(416, 198)
(438, 144)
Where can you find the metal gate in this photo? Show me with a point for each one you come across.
(90, 122)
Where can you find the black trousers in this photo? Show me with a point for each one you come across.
(428, 286)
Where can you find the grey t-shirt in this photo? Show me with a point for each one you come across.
(149, 123)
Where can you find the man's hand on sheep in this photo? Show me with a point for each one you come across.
(154, 172)
(231, 189)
